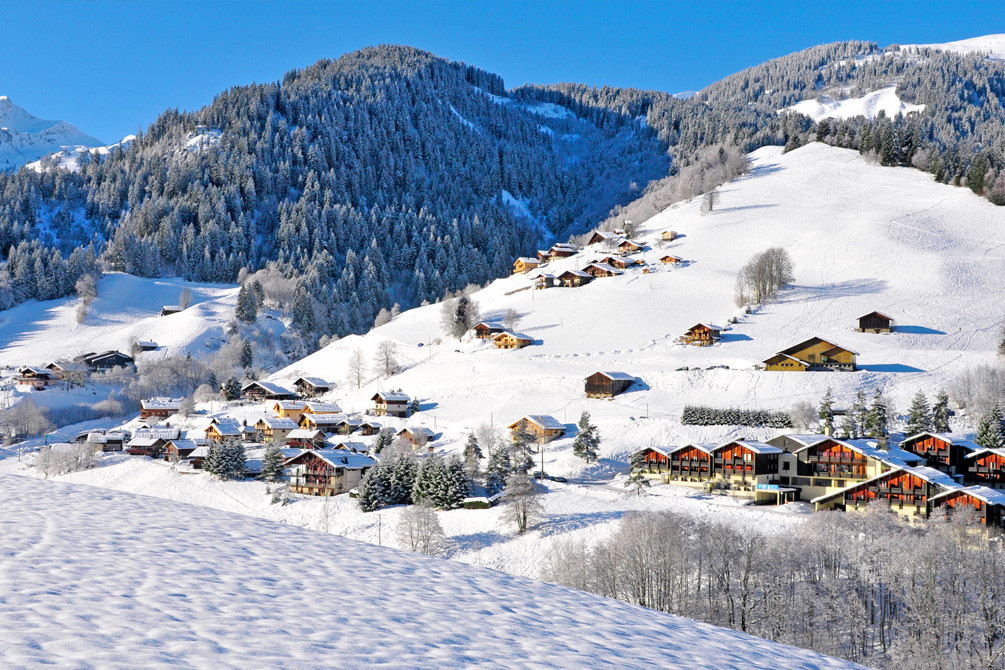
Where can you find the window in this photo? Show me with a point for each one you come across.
(785, 465)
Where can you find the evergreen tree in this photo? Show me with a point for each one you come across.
(232, 389)
(522, 449)
(472, 458)
(247, 305)
(413, 406)
(498, 470)
(272, 463)
(876, 419)
(213, 464)
(849, 427)
(636, 474)
(940, 413)
(404, 472)
(989, 430)
(429, 481)
(374, 488)
(383, 439)
(454, 488)
(859, 410)
(587, 439)
(247, 357)
(233, 460)
(826, 411)
(919, 419)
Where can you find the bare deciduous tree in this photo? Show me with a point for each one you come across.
(419, 530)
(357, 365)
(764, 274)
(521, 498)
(385, 361)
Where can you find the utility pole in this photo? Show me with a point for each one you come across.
(378, 530)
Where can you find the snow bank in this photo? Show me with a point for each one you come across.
(869, 106)
(994, 45)
(97, 578)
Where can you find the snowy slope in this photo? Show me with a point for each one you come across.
(127, 309)
(869, 106)
(101, 579)
(863, 237)
(25, 138)
(69, 157)
(994, 45)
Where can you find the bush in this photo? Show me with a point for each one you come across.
(711, 416)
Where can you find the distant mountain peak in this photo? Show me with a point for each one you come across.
(25, 138)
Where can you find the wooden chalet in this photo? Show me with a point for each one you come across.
(670, 259)
(305, 438)
(104, 360)
(311, 387)
(620, 262)
(689, 464)
(814, 354)
(486, 329)
(289, 409)
(746, 463)
(525, 264)
(508, 340)
(538, 427)
(368, 428)
(159, 408)
(574, 278)
(224, 428)
(988, 504)
(416, 436)
(168, 310)
(327, 423)
(544, 280)
(151, 441)
(599, 237)
(607, 384)
(390, 404)
(817, 465)
(274, 429)
(347, 425)
(179, 450)
(36, 378)
(327, 471)
(629, 247)
(562, 250)
(266, 391)
(986, 467)
(67, 370)
(875, 322)
(944, 451)
(147, 345)
(907, 490)
(669, 235)
(702, 334)
(105, 440)
(597, 270)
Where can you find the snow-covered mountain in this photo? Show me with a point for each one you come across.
(25, 138)
(993, 45)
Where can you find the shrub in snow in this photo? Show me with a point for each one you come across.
(58, 459)
(709, 416)
(521, 502)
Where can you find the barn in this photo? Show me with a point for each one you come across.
(702, 334)
(875, 322)
(486, 329)
(508, 340)
(607, 384)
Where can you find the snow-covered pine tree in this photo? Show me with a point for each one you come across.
(989, 430)
(272, 463)
(373, 488)
(498, 470)
(826, 411)
(454, 485)
(919, 418)
(587, 439)
(876, 418)
(233, 460)
(247, 305)
(247, 357)
(214, 460)
(522, 449)
(940, 413)
(472, 458)
(429, 481)
(636, 475)
(383, 440)
(232, 389)
(404, 471)
(859, 409)
(848, 428)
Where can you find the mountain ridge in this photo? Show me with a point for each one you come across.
(25, 137)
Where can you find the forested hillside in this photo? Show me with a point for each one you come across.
(388, 175)
(393, 176)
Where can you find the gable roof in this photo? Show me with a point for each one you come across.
(390, 396)
(226, 426)
(492, 325)
(606, 268)
(544, 421)
(877, 314)
(984, 452)
(751, 445)
(574, 273)
(710, 326)
(305, 434)
(312, 381)
(930, 475)
(982, 493)
(613, 376)
(342, 458)
(289, 404)
(279, 423)
(957, 439)
(894, 457)
(705, 447)
(273, 388)
(172, 404)
(323, 419)
(795, 348)
(780, 355)
(416, 431)
(322, 407)
(162, 433)
(515, 336)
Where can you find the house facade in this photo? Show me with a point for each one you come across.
(875, 322)
(327, 471)
(538, 427)
(159, 408)
(702, 335)
(509, 340)
(607, 384)
(390, 404)
(814, 354)
(944, 451)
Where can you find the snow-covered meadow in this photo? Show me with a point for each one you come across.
(94, 578)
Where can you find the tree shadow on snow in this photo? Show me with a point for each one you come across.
(734, 337)
(563, 523)
(852, 287)
(741, 208)
(476, 541)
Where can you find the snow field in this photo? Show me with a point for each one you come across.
(94, 578)
(869, 106)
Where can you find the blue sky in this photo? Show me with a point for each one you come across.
(112, 67)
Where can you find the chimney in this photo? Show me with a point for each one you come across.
(827, 429)
(882, 441)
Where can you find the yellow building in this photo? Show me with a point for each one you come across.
(811, 355)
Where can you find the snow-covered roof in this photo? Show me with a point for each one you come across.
(706, 447)
(983, 493)
(167, 404)
(324, 419)
(390, 397)
(984, 452)
(617, 376)
(752, 445)
(877, 314)
(606, 268)
(575, 273)
(304, 434)
(271, 387)
(807, 342)
(141, 442)
(319, 407)
(514, 335)
(958, 439)
(316, 382)
(184, 444)
(488, 324)
(162, 433)
(781, 355)
(527, 260)
(279, 423)
(543, 420)
(934, 476)
(342, 458)
(416, 431)
(710, 326)
(289, 404)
